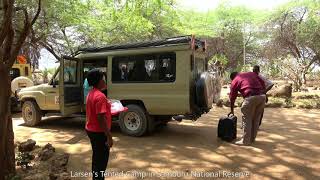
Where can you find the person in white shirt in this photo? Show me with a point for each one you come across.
(269, 84)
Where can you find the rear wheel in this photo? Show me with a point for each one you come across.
(31, 113)
(134, 122)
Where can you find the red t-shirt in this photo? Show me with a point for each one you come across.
(97, 103)
(247, 83)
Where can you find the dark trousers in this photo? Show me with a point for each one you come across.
(100, 154)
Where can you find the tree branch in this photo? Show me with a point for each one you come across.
(63, 30)
(8, 47)
(49, 48)
(25, 32)
(22, 37)
(304, 13)
(7, 19)
(37, 14)
(314, 59)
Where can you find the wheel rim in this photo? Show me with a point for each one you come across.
(132, 121)
(28, 113)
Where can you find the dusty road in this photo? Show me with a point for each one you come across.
(287, 147)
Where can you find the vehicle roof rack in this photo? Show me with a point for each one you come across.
(155, 43)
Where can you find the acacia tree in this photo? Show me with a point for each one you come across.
(13, 34)
(294, 31)
(65, 25)
(233, 28)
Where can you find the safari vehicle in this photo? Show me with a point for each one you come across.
(20, 75)
(155, 80)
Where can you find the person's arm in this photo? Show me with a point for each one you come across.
(101, 110)
(233, 94)
(103, 125)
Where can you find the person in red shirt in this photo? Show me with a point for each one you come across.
(98, 123)
(269, 84)
(252, 89)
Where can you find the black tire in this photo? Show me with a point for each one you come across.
(31, 113)
(136, 119)
(204, 91)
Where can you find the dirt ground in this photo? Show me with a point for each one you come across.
(287, 147)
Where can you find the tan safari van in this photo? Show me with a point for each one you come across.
(156, 80)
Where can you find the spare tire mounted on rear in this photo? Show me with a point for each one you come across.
(204, 92)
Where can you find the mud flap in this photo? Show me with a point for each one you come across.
(151, 124)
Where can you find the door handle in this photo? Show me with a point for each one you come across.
(51, 92)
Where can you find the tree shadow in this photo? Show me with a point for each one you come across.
(287, 146)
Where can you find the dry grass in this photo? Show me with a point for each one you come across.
(303, 100)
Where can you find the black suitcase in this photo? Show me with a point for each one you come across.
(227, 128)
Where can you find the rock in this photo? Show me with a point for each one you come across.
(53, 176)
(226, 102)
(219, 103)
(49, 147)
(47, 152)
(27, 146)
(58, 168)
(38, 176)
(61, 160)
(64, 176)
(314, 88)
(282, 91)
(60, 176)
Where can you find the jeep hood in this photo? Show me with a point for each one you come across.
(33, 88)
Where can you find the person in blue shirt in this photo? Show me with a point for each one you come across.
(86, 89)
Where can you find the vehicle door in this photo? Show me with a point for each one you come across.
(70, 86)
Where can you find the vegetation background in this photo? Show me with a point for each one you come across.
(284, 41)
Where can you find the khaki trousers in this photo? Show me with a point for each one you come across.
(252, 110)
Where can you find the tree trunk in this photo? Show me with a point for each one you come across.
(7, 155)
(303, 76)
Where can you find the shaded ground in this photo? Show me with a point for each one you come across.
(287, 147)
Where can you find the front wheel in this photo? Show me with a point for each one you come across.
(31, 113)
(134, 122)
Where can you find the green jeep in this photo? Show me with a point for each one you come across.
(156, 80)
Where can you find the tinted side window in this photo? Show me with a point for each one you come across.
(167, 70)
(70, 72)
(144, 68)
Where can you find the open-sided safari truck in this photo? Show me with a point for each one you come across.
(20, 75)
(155, 80)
